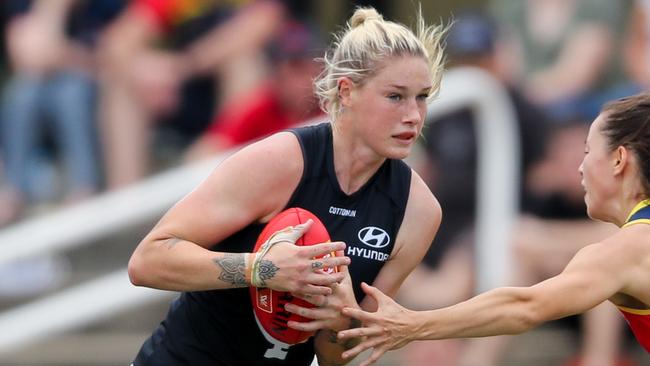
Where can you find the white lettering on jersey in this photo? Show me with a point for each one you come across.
(368, 254)
(342, 211)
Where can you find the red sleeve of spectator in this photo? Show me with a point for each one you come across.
(259, 116)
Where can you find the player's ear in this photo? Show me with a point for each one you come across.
(620, 158)
(345, 86)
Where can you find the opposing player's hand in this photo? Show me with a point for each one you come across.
(292, 268)
(327, 313)
(389, 328)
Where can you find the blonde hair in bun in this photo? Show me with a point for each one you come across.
(361, 15)
(368, 39)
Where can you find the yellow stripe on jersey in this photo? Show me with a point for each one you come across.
(639, 221)
(637, 208)
(634, 311)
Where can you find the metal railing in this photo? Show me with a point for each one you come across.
(498, 165)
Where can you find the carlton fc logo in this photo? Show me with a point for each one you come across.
(374, 237)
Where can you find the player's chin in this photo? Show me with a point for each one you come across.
(399, 152)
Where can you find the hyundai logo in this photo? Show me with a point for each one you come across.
(374, 237)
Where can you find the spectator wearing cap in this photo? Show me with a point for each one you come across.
(471, 35)
(285, 99)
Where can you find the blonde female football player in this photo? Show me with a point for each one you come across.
(378, 78)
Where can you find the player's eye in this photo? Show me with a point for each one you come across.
(395, 97)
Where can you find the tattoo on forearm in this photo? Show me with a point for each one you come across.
(170, 243)
(267, 270)
(233, 268)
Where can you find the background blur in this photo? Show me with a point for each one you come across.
(111, 110)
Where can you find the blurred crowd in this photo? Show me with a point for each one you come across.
(94, 91)
(99, 94)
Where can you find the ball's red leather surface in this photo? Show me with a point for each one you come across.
(268, 304)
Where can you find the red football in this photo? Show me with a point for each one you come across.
(268, 304)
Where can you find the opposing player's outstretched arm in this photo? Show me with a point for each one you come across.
(595, 274)
(251, 186)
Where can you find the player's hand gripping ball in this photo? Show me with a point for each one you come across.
(268, 304)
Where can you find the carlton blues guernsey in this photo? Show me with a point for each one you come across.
(218, 327)
(639, 320)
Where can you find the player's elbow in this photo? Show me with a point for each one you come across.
(146, 266)
(531, 311)
(136, 270)
(526, 321)
(139, 269)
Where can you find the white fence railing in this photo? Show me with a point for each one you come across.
(498, 165)
(79, 225)
(99, 217)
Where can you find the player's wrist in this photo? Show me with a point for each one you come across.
(249, 261)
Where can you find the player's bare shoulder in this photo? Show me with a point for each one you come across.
(632, 246)
(633, 239)
(258, 179)
(275, 162)
(635, 242)
(422, 202)
(278, 153)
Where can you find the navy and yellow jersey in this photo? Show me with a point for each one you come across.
(640, 214)
(218, 327)
(639, 320)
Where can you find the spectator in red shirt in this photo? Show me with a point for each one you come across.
(284, 100)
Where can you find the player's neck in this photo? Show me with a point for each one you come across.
(354, 162)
